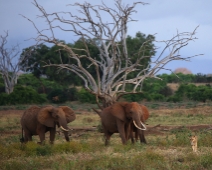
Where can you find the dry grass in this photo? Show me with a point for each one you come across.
(166, 150)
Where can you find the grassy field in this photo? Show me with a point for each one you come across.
(169, 128)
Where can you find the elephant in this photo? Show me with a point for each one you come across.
(132, 129)
(117, 118)
(39, 120)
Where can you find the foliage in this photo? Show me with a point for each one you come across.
(43, 55)
(192, 92)
(133, 46)
(86, 97)
(22, 95)
(138, 97)
(62, 95)
(153, 90)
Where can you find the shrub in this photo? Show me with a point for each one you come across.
(3, 99)
(22, 95)
(57, 96)
(72, 94)
(2, 88)
(166, 91)
(175, 98)
(86, 97)
(137, 97)
(62, 95)
(157, 97)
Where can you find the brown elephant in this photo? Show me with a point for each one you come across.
(38, 120)
(118, 118)
(132, 129)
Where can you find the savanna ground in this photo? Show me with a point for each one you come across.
(169, 128)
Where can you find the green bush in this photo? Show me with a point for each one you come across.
(3, 99)
(72, 94)
(86, 97)
(137, 97)
(57, 96)
(62, 95)
(2, 88)
(22, 95)
(175, 98)
(166, 91)
(157, 97)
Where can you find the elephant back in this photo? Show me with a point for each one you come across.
(29, 118)
(145, 112)
(30, 113)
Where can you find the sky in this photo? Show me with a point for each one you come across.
(163, 18)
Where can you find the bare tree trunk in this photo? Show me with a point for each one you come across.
(9, 83)
(8, 68)
(106, 29)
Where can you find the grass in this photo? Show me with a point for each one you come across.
(87, 151)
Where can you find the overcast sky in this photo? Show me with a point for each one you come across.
(164, 17)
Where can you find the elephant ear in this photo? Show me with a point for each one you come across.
(145, 112)
(118, 110)
(45, 117)
(70, 115)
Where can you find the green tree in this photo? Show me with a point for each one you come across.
(135, 47)
(42, 55)
(115, 64)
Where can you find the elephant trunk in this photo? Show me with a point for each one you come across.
(62, 128)
(63, 125)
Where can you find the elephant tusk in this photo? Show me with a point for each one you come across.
(143, 125)
(139, 127)
(63, 129)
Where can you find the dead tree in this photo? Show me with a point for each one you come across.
(10, 63)
(113, 65)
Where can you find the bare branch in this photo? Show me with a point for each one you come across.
(9, 63)
(113, 65)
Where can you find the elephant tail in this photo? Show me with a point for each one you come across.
(22, 137)
(97, 111)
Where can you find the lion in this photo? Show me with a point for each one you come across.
(193, 141)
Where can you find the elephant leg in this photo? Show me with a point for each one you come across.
(107, 138)
(142, 137)
(30, 137)
(52, 135)
(27, 136)
(132, 137)
(136, 135)
(122, 132)
(41, 133)
(131, 130)
(66, 136)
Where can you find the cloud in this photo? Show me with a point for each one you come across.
(164, 17)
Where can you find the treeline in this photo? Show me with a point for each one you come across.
(186, 78)
(32, 90)
(189, 89)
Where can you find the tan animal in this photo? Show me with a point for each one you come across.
(193, 141)
(56, 98)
